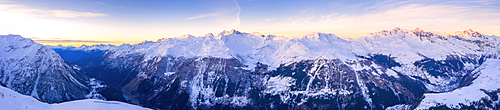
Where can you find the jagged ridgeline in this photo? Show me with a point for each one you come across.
(37, 70)
(234, 70)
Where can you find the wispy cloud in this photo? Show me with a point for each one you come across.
(269, 19)
(220, 12)
(436, 17)
(38, 38)
(33, 12)
(100, 3)
(226, 14)
(209, 15)
(73, 41)
(238, 11)
(483, 2)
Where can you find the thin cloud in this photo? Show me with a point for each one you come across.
(208, 15)
(35, 38)
(73, 41)
(33, 12)
(435, 17)
(238, 11)
(483, 2)
(100, 3)
(269, 19)
(38, 38)
(73, 14)
(221, 12)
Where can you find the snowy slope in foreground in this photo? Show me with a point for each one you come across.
(488, 80)
(11, 100)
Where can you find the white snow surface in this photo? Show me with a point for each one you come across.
(15, 47)
(249, 48)
(407, 47)
(277, 85)
(488, 79)
(404, 46)
(272, 50)
(11, 100)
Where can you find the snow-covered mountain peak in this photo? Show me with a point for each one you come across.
(403, 32)
(61, 47)
(411, 44)
(228, 32)
(185, 36)
(209, 35)
(15, 46)
(10, 39)
(418, 30)
(322, 36)
(257, 34)
(394, 31)
(436, 63)
(99, 47)
(421, 33)
(275, 50)
(467, 33)
(37, 70)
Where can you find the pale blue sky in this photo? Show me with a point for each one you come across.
(133, 21)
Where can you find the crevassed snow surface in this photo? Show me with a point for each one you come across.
(488, 79)
(11, 100)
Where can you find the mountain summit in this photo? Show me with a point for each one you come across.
(392, 69)
(36, 70)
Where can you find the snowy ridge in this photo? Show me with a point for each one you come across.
(411, 45)
(34, 69)
(15, 46)
(407, 47)
(11, 100)
(487, 79)
(250, 48)
(392, 67)
(101, 47)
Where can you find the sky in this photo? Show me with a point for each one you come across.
(78, 22)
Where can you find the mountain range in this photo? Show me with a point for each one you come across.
(392, 69)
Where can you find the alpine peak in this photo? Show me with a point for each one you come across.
(209, 35)
(232, 31)
(468, 33)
